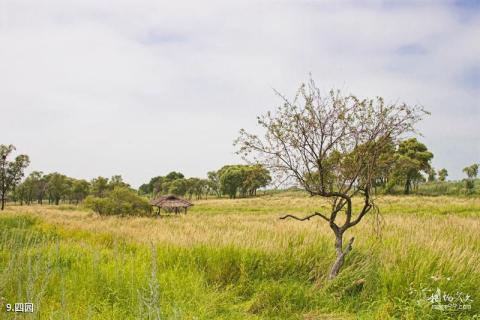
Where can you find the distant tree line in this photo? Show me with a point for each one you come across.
(230, 180)
(176, 183)
(239, 180)
(55, 187)
(102, 195)
(406, 165)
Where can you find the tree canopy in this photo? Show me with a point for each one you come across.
(442, 174)
(413, 159)
(11, 172)
(242, 180)
(176, 183)
(471, 171)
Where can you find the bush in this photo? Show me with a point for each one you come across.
(121, 200)
(469, 186)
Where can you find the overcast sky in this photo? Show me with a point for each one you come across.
(140, 88)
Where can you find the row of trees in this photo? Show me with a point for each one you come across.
(38, 187)
(239, 180)
(405, 164)
(102, 195)
(176, 183)
(230, 180)
(55, 187)
(408, 164)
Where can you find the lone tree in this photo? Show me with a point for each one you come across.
(471, 171)
(413, 158)
(442, 174)
(11, 172)
(331, 146)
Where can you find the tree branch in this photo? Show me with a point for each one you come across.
(307, 217)
(348, 248)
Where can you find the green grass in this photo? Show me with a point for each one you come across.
(239, 262)
(441, 188)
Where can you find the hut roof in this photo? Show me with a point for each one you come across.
(170, 201)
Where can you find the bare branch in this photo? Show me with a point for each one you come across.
(306, 218)
(348, 248)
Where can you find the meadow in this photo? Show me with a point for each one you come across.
(234, 259)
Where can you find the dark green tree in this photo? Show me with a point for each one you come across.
(153, 187)
(231, 179)
(432, 175)
(99, 187)
(80, 190)
(214, 183)
(195, 187)
(119, 201)
(385, 163)
(256, 176)
(11, 172)
(117, 181)
(174, 176)
(178, 187)
(442, 174)
(31, 189)
(471, 171)
(58, 186)
(413, 159)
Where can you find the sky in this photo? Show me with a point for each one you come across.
(141, 88)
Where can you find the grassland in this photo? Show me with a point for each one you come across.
(234, 259)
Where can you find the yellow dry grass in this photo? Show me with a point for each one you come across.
(425, 243)
(432, 222)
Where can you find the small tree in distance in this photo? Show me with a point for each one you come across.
(471, 172)
(331, 146)
(413, 158)
(442, 174)
(11, 172)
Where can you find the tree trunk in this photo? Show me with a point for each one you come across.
(407, 186)
(340, 254)
(3, 202)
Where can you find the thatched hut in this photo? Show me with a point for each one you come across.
(170, 203)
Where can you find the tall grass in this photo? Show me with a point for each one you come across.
(442, 188)
(236, 260)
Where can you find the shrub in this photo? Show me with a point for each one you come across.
(121, 200)
(469, 186)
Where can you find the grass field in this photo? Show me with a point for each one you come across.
(234, 259)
